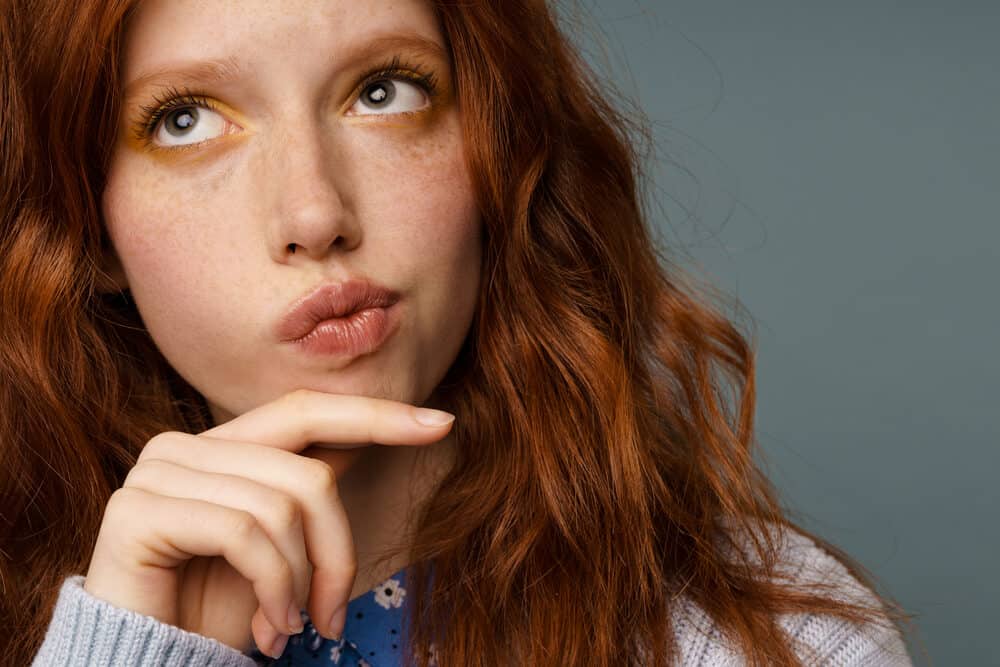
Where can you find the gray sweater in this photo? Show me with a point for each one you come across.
(88, 632)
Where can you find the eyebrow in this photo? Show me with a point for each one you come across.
(206, 72)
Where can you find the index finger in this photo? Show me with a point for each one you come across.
(305, 417)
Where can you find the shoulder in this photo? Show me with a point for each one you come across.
(827, 640)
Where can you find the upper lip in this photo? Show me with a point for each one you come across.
(332, 300)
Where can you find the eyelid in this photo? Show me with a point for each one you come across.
(170, 99)
(144, 129)
(424, 78)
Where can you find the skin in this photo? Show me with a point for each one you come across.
(202, 236)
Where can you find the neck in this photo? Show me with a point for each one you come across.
(381, 492)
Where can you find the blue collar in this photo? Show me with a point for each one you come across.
(374, 635)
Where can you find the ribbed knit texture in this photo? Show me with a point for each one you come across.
(88, 632)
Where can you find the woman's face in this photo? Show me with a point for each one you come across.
(283, 173)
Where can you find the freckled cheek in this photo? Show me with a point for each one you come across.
(158, 226)
(175, 261)
(420, 193)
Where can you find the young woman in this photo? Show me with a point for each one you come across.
(246, 246)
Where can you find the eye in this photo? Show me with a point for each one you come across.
(378, 98)
(189, 125)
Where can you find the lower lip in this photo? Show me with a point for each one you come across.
(361, 333)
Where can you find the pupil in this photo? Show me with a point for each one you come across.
(182, 120)
(382, 93)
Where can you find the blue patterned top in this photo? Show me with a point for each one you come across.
(374, 633)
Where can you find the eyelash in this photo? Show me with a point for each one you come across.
(173, 98)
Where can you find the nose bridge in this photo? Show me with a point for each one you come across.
(306, 190)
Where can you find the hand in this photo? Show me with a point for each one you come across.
(229, 533)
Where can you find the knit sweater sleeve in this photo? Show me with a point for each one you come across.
(831, 641)
(86, 631)
(820, 640)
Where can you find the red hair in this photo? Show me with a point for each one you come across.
(602, 470)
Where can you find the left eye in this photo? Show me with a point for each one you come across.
(189, 125)
(379, 96)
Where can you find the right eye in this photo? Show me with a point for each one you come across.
(187, 125)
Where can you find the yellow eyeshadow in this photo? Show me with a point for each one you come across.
(190, 154)
(146, 145)
(204, 151)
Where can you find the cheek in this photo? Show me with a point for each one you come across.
(133, 207)
(421, 196)
(170, 255)
(160, 224)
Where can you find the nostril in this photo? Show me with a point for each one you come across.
(291, 247)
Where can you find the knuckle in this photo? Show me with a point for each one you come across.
(284, 572)
(156, 447)
(297, 399)
(122, 505)
(133, 478)
(120, 497)
(297, 404)
(320, 477)
(284, 511)
(145, 469)
(243, 525)
(345, 569)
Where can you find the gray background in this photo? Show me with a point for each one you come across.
(834, 167)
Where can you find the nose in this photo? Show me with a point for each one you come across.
(309, 205)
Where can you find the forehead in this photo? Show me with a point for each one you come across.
(257, 31)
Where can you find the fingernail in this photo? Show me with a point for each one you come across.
(295, 619)
(337, 622)
(279, 646)
(432, 417)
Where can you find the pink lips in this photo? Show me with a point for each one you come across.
(350, 318)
